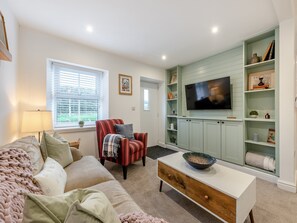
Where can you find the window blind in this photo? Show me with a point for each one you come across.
(76, 94)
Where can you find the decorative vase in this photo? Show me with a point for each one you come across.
(255, 58)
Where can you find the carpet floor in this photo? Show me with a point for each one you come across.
(273, 204)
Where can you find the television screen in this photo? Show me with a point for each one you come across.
(212, 94)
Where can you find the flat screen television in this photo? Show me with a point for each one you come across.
(211, 94)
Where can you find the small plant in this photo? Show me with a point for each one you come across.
(254, 114)
(81, 123)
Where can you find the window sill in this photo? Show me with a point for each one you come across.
(75, 129)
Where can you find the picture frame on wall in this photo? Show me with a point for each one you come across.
(271, 136)
(4, 49)
(3, 36)
(125, 84)
(261, 80)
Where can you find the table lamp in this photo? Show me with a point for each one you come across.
(37, 121)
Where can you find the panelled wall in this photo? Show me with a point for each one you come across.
(228, 63)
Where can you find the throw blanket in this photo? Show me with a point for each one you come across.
(139, 217)
(111, 143)
(16, 179)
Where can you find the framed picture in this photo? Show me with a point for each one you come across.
(3, 37)
(271, 136)
(125, 84)
(261, 80)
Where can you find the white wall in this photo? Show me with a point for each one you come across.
(287, 112)
(36, 47)
(8, 80)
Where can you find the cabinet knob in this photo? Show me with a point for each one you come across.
(218, 122)
(206, 197)
(222, 122)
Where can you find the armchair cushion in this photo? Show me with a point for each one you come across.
(125, 129)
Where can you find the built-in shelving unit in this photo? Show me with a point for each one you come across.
(173, 107)
(261, 95)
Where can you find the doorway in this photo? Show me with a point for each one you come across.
(149, 110)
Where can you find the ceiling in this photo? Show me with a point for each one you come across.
(144, 30)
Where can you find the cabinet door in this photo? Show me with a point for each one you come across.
(232, 142)
(212, 138)
(183, 133)
(196, 135)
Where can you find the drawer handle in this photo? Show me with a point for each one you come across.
(206, 197)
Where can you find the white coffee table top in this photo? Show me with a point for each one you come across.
(229, 181)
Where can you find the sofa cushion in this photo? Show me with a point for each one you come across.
(52, 178)
(125, 130)
(76, 154)
(69, 207)
(86, 172)
(31, 146)
(58, 150)
(118, 197)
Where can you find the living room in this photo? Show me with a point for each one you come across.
(32, 44)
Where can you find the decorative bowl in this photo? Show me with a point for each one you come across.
(199, 160)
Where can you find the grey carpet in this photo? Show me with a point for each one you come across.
(155, 152)
(273, 204)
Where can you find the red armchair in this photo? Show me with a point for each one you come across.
(129, 152)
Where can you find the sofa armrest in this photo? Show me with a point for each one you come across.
(76, 154)
(141, 137)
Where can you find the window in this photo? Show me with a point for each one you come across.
(146, 101)
(74, 93)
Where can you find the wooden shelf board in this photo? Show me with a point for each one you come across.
(171, 116)
(170, 84)
(260, 143)
(173, 130)
(259, 120)
(258, 91)
(260, 63)
(260, 169)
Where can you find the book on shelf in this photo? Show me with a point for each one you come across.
(271, 53)
(266, 54)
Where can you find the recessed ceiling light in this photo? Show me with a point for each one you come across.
(89, 29)
(164, 57)
(214, 29)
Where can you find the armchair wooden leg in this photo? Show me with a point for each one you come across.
(125, 168)
(102, 161)
(143, 160)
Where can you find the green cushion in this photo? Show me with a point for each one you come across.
(57, 136)
(57, 150)
(81, 205)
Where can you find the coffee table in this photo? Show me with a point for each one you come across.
(226, 193)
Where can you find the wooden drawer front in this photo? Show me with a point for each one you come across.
(215, 201)
(172, 177)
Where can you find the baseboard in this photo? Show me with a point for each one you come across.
(162, 144)
(175, 148)
(286, 186)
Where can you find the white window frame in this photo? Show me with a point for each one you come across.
(50, 98)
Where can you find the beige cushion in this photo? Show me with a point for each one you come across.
(58, 150)
(30, 145)
(70, 207)
(86, 172)
(57, 136)
(52, 178)
(118, 197)
(76, 154)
